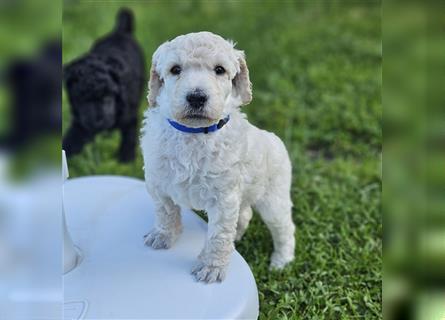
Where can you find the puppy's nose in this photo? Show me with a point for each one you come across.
(197, 99)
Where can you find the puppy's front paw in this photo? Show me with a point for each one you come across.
(158, 239)
(209, 274)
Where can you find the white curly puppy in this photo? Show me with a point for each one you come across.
(200, 152)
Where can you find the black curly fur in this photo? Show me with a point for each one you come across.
(104, 89)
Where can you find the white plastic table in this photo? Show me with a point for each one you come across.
(119, 277)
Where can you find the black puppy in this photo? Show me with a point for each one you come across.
(104, 89)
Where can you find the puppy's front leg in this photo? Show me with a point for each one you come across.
(75, 139)
(168, 225)
(215, 257)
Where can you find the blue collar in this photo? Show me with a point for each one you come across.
(205, 130)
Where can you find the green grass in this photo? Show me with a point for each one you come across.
(316, 73)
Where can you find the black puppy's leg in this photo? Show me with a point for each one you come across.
(75, 139)
(128, 143)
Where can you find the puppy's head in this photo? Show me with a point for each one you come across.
(198, 78)
(92, 90)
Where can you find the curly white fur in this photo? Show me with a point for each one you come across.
(226, 172)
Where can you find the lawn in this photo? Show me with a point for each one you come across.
(316, 74)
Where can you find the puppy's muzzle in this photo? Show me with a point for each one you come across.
(197, 99)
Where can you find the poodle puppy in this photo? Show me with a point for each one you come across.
(104, 89)
(200, 152)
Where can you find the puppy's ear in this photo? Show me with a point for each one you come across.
(73, 70)
(156, 82)
(241, 82)
(154, 85)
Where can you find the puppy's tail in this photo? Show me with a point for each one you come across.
(124, 21)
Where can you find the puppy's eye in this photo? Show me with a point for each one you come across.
(220, 70)
(175, 70)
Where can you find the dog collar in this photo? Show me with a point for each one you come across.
(205, 130)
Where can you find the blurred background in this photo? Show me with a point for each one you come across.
(30, 131)
(316, 74)
(414, 171)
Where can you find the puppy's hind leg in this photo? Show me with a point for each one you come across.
(275, 210)
(245, 215)
(168, 225)
(128, 143)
